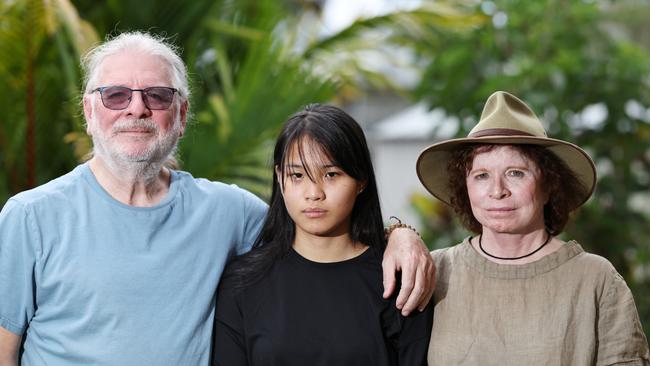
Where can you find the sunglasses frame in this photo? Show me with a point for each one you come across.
(145, 97)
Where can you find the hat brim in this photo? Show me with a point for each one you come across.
(431, 165)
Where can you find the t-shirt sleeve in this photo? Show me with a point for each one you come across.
(18, 240)
(620, 336)
(229, 348)
(255, 214)
(409, 336)
(413, 344)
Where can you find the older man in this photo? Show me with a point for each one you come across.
(117, 262)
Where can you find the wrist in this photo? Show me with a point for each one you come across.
(398, 225)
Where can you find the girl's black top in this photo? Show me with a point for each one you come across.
(308, 313)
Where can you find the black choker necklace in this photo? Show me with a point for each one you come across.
(548, 238)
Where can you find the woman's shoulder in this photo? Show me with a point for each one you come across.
(449, 254)
(446, 259)
(589, 268)
(591, 263)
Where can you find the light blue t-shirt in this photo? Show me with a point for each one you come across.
(91, 281)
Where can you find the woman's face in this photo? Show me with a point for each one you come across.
(504, 191)
(319, 207)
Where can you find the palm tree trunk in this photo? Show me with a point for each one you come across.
(30, 135)
(14, 179)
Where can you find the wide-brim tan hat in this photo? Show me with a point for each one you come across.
(505, 120)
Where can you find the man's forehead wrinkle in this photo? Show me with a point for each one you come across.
(126, 67)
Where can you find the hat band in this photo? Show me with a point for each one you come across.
(499, 132)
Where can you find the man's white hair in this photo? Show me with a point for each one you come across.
(142, 42)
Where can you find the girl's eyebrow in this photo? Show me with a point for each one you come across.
(293, 166)
(300, 166)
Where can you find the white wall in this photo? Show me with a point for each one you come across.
(394, 163)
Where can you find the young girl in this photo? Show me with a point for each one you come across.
(310, 290)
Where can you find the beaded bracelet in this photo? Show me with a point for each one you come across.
(388, 230)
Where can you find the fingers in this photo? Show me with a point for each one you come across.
(430, 278)
(389, 270)
(407, 290)
(419, 282)
(394, 258)
(407, 253)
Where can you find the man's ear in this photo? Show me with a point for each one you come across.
(88, 111)
(183, 116)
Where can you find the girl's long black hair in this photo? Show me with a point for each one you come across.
(341, 138)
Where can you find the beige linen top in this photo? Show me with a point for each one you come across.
(568, 308)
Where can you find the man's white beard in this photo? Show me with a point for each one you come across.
(142, 164)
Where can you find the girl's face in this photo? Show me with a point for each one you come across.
(505, 192)
(322, 206)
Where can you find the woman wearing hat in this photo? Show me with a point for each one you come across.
(515, 294)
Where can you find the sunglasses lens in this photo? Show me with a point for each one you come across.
(159, 97)
(116, 97)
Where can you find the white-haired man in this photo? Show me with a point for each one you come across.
(117, 262)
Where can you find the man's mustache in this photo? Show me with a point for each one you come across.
(139, 124)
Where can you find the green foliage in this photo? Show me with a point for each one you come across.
(559, 57)
(345, 54)
(250, 63)
(40, 42)
(245, 100)
(179, 19)
(242, 95)
(441, 226)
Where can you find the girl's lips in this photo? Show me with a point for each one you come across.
(314, 212)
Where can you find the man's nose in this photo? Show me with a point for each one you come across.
(137, 107)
